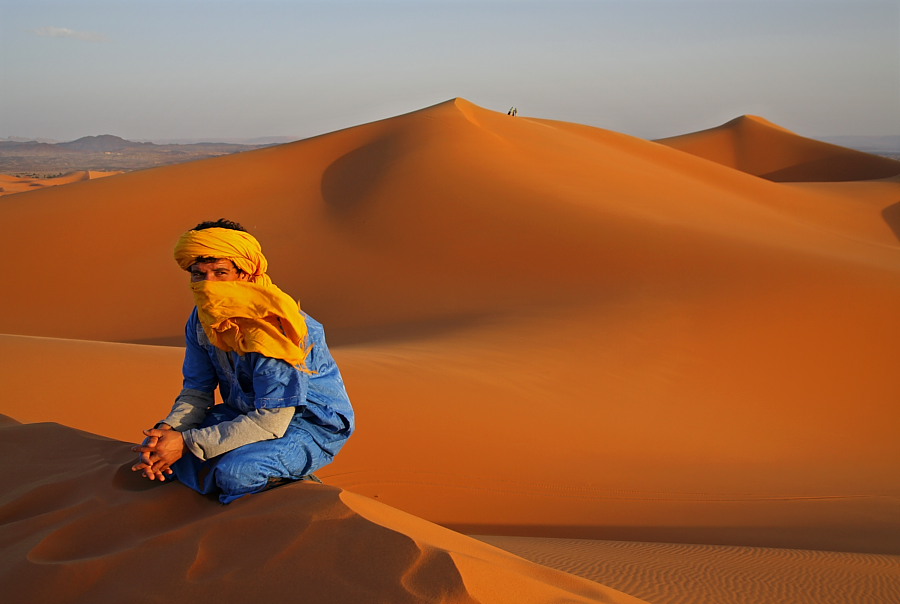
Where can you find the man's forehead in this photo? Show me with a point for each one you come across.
(210, 263)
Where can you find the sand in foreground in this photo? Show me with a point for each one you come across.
(78, 525)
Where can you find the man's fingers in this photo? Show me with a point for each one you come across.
(148, 445)
(154, 463)
(159, 466)
(161, 474)
(157, 471)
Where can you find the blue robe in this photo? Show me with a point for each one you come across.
(323, 417)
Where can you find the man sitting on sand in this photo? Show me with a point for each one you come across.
(286, 412)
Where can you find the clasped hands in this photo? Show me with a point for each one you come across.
(162, 447)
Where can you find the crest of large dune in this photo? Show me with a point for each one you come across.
(546, 329)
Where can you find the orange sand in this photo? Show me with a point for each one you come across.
(547, 330)
(83, 527)
(665, 573)
(20, 184)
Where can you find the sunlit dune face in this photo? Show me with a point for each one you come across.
(216, 270)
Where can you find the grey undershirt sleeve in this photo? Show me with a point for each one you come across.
(257, 425)
(190, 409)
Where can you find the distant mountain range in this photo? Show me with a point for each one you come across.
(259, 140)
(109, 143)
(104, 152)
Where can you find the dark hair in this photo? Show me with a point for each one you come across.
(221, 223)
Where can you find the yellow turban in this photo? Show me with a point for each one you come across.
(244, 316)
(240, 247)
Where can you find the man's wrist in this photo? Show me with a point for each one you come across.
(162, 426)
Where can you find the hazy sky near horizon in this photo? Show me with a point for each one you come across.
(217, 69)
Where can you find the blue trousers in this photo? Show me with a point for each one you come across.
(303, 449)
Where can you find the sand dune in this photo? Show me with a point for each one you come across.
(547, 330)
(756, 146)
(20, 184)
(572, 209)
(78, 517)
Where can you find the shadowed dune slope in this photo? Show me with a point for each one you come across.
(756, 146)
(78, 526)
(546, 328)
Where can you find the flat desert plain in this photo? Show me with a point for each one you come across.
(586, 367)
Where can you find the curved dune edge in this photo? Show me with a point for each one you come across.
(757, 146)
(665, 573)
(77, 525)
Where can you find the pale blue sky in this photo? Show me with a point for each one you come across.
(165, 69)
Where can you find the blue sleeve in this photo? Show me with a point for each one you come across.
(277, 384)
(198, 369)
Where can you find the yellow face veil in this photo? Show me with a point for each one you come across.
(244, 316)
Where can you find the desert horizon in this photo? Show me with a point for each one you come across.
(587, 367)
(29, 163)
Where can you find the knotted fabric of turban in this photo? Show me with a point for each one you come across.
(244, 316)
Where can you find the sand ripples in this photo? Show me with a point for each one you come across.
(665, 573)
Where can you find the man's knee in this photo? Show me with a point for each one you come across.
(249, 468)
(236, 474)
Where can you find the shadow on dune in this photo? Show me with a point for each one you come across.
(382, 333)
(176, 341)
(409, 330)
(836, 168)
(875, 540)
(891, 215)
(355, 176)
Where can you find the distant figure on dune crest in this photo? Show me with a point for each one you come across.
(285, 410)
(512, 111)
